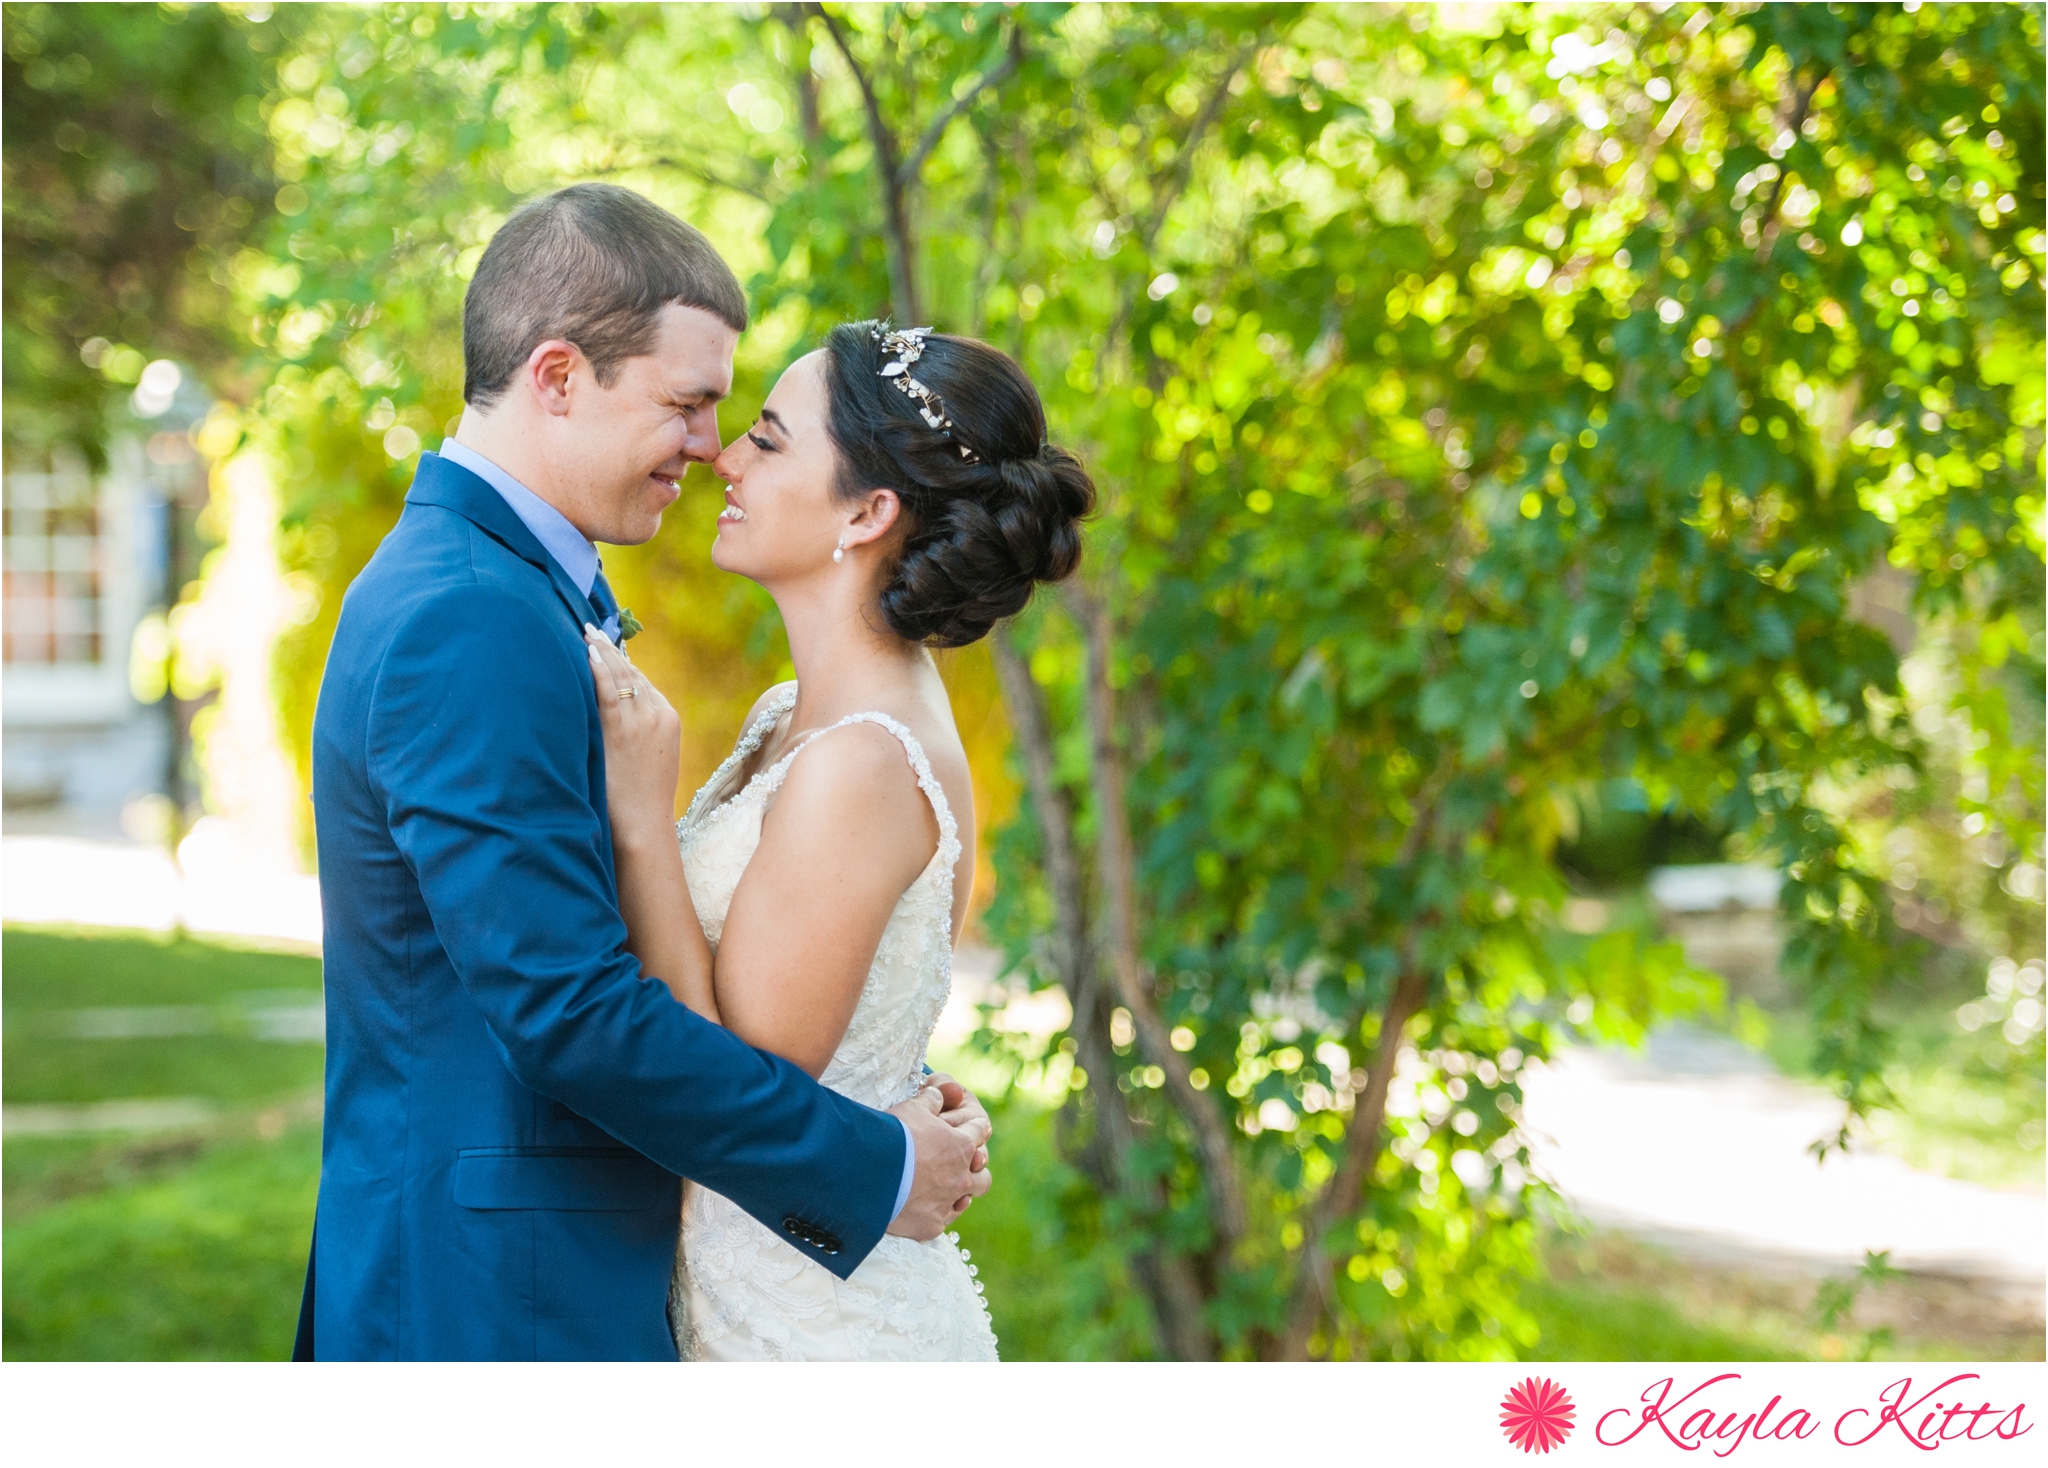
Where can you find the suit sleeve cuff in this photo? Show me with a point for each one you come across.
(909, 1169)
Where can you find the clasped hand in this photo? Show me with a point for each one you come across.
(949, 1129)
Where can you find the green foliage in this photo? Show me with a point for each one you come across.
(134, 168)
(1835, 1302)
(1968, 1100)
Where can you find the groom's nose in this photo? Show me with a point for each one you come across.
(700, 442)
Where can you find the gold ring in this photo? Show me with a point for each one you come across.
(629, 693)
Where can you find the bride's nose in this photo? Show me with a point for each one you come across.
(725, 466)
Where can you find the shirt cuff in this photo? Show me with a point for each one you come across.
(909, 1169)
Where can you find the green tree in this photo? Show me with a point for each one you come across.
(134, 167)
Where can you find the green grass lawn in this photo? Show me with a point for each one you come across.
(201, 1260)
(49, 973)
(77, 968)
(187, 1244)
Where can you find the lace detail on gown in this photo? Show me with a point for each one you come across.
(740, 1291)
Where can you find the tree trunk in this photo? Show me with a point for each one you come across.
(1176, 1295)
(1116, 876)
(1071, 954)
(802, 77)
(1071, 958)
(1361, 1152)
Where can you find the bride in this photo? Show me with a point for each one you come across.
(897, 493)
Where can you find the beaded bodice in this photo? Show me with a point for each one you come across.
(880, 1060)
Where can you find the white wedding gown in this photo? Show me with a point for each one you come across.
(740, 1293)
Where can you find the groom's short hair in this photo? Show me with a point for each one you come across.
(591, 264)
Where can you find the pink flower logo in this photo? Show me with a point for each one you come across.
(1537, 1415)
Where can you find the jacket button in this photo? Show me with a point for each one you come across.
(792, 1227)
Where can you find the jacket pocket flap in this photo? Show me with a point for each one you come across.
(577, 1180)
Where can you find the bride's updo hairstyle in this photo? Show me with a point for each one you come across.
(983, 531)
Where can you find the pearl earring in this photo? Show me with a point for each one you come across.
(839, 550)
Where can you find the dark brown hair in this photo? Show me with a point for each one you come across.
(983, 531)
(591, 264)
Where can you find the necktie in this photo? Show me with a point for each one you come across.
(606, 606)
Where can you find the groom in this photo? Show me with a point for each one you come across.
(510, 1101)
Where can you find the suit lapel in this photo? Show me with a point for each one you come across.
(577, 603)
(452, 487)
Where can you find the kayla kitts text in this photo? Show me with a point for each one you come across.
(1712, 1415)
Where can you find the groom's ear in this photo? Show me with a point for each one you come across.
(550, 373)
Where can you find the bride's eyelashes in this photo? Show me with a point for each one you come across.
(761, 443)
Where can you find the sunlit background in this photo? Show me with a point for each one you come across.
(1525, 837)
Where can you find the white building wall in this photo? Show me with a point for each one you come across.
(75, 746)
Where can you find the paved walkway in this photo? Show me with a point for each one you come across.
(117, 884)
(1698, 1144)
(1695, 1143)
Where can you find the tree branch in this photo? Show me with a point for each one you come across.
(907, 174)
(1072, 956)
(1768, 236)
(1168, 1280)
(697, 171)
(992, 213)
(904, 301)
(1183, 159)
(1169, 186)
(1028, 725)
(878, 130)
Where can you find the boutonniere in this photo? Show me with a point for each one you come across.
(629, 625)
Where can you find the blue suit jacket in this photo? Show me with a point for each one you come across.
(510, 1100)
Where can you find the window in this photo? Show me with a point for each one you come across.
(55, 565)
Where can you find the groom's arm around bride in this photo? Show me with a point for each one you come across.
(510, 1100)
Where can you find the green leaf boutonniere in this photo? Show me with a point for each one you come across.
(629, 625)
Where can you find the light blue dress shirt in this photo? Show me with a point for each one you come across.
(574, 553)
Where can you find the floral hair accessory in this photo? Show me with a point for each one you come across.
(907, 346)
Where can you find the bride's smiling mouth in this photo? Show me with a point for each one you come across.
(732, 511)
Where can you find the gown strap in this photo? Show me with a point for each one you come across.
(949, 831)
(750, 740)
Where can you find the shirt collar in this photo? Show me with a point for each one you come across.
(571, 549)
